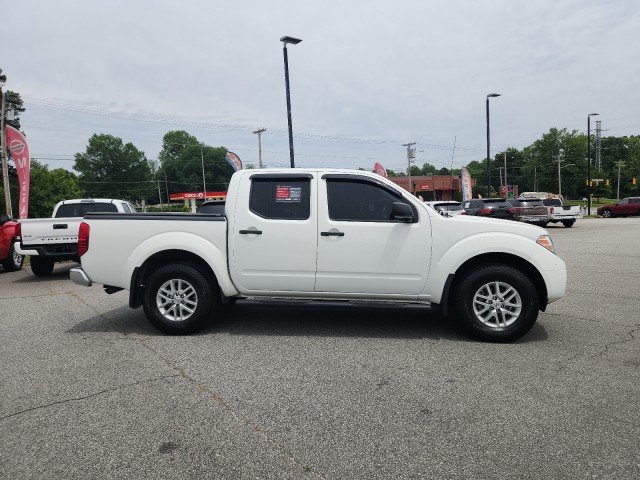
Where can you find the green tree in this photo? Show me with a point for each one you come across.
(48, 187)
(183, 158)
(109, 168)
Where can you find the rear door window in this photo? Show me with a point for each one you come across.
(286, 198)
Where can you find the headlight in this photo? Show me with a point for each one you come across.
(546, 242)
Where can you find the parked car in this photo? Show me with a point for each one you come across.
(212, 206)
(529, 210)
(9, 235)
(447, 208)
(626, 206)
(488, 207)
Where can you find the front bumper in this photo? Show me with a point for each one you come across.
(78, 277)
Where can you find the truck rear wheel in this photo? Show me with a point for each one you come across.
(497, 303)
(41, 266)
(178, 299)
(568, 223)
(14, 260)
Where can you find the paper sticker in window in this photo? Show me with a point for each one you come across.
(288, 194)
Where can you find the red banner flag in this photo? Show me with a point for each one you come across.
(19, 150)
(380, 170)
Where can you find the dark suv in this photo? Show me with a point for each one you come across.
(488, 207)
(529, 210)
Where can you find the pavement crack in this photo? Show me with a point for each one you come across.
(85, 397)
(228, 408)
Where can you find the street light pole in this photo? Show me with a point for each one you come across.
(488, 148)
(589, 161)
(293, 41)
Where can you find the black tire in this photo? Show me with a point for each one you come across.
(568, 223)
(544, 224)
(607, 213)
(179, 290)
(14, 261)
(41, 266)
(478, 287)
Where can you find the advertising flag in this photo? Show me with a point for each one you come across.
(234, 161)
(17, 145)
(380, 170)
(466, 185)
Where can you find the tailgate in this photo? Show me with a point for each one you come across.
(49, 231)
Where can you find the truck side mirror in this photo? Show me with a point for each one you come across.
(401, 211)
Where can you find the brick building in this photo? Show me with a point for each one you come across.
(431, 187)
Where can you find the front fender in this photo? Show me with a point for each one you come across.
(452, 256)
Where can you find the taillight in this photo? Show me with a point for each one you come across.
(18, 230)
(485, 211)
(511, 210)
(83, 239)
(551, 210)
(464, 213)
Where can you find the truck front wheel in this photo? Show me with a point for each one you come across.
(497, 303)
(178, 299)
(41, 266)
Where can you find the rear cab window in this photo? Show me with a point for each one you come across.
(281, 197)
(68, 210)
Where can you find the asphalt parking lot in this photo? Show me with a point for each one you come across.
(90, 390)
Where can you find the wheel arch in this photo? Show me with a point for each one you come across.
(159, 259)
(495, 258)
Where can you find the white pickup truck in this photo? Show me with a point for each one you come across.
(50, 240)
(558, 212)
(324, 235)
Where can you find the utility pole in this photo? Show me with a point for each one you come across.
(559, 182)
(166, 186)
(620, 164)
(506, 187)
(411, 153)
(160, 196)
(259, 132)
(535, 179)
(204, 184)
(5, 167)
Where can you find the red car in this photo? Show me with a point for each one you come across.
(626, 206)
(9, 235)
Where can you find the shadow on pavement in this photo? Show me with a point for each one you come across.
(300, 318)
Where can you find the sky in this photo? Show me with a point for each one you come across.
(368, 76)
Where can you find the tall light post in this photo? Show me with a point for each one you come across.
(589, 161)
(293, 41)
(488, 148)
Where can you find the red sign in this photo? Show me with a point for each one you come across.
(188, 195)
(17, 145)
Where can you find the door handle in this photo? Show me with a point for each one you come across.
(332, 234)
(60, 226)
(250, 232)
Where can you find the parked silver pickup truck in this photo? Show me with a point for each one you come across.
(55, 239)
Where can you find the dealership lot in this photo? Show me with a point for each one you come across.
(90, 390)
